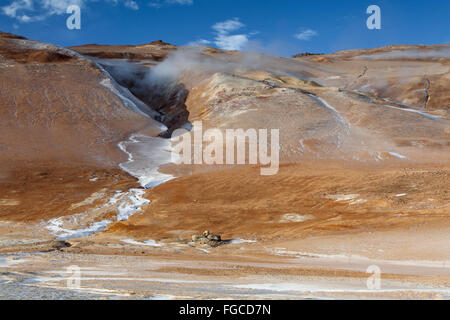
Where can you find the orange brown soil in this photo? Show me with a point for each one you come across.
(60, 128)
(30, 194)
(58, 110)
(365, 178)
(239, 203)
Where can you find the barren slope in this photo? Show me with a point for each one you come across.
(364, 174)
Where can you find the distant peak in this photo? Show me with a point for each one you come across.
(160, 42)
(11, 36)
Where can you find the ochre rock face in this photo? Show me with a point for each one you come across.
(360, 105)
(383, 98)
(156, 50)
(414, 75)
(54, 107)
(59, 129)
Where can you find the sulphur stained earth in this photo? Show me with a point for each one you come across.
(358, 208)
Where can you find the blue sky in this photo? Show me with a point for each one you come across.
(277, 27)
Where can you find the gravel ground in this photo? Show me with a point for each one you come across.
(14, 289)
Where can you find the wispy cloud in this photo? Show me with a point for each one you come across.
(12, 9)
(306, 35)
(182, 2)
(57, 6)
(199, 43)
(131, 4)
(38, 10)
(225, 36)
(160, 3)
(228, 26)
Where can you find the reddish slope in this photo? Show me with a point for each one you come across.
(54, 107)
(59, 129)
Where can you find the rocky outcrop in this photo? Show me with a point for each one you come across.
(153, 51)
(206, 237)
(306, 54)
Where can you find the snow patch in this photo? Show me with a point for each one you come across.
(145, 156)
(56, 227)
(131, 205)
(238, 240)
(150, 243)
(425, 114)
(6, 261)
(295, 217)
(358, 201)
(397, 155)
(336, 113)
(342, 197)
(125, 203)
(123, 93)
(303, 287)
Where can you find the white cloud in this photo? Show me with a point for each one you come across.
(155, 4)
(234, 42)
(182, 2)
(11, 10)
(38, 10)
(25, 18)
(199, 43)
(58, 7)
(224, 37)
(306, 34)
(131, 4)
(160, 3)
(224, 40)
(228, 26)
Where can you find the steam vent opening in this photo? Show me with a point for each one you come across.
(165, 97)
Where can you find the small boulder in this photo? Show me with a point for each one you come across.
(212, 240)
(59, 245)
(214, 237)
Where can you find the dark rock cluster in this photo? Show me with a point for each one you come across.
(212, 240)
